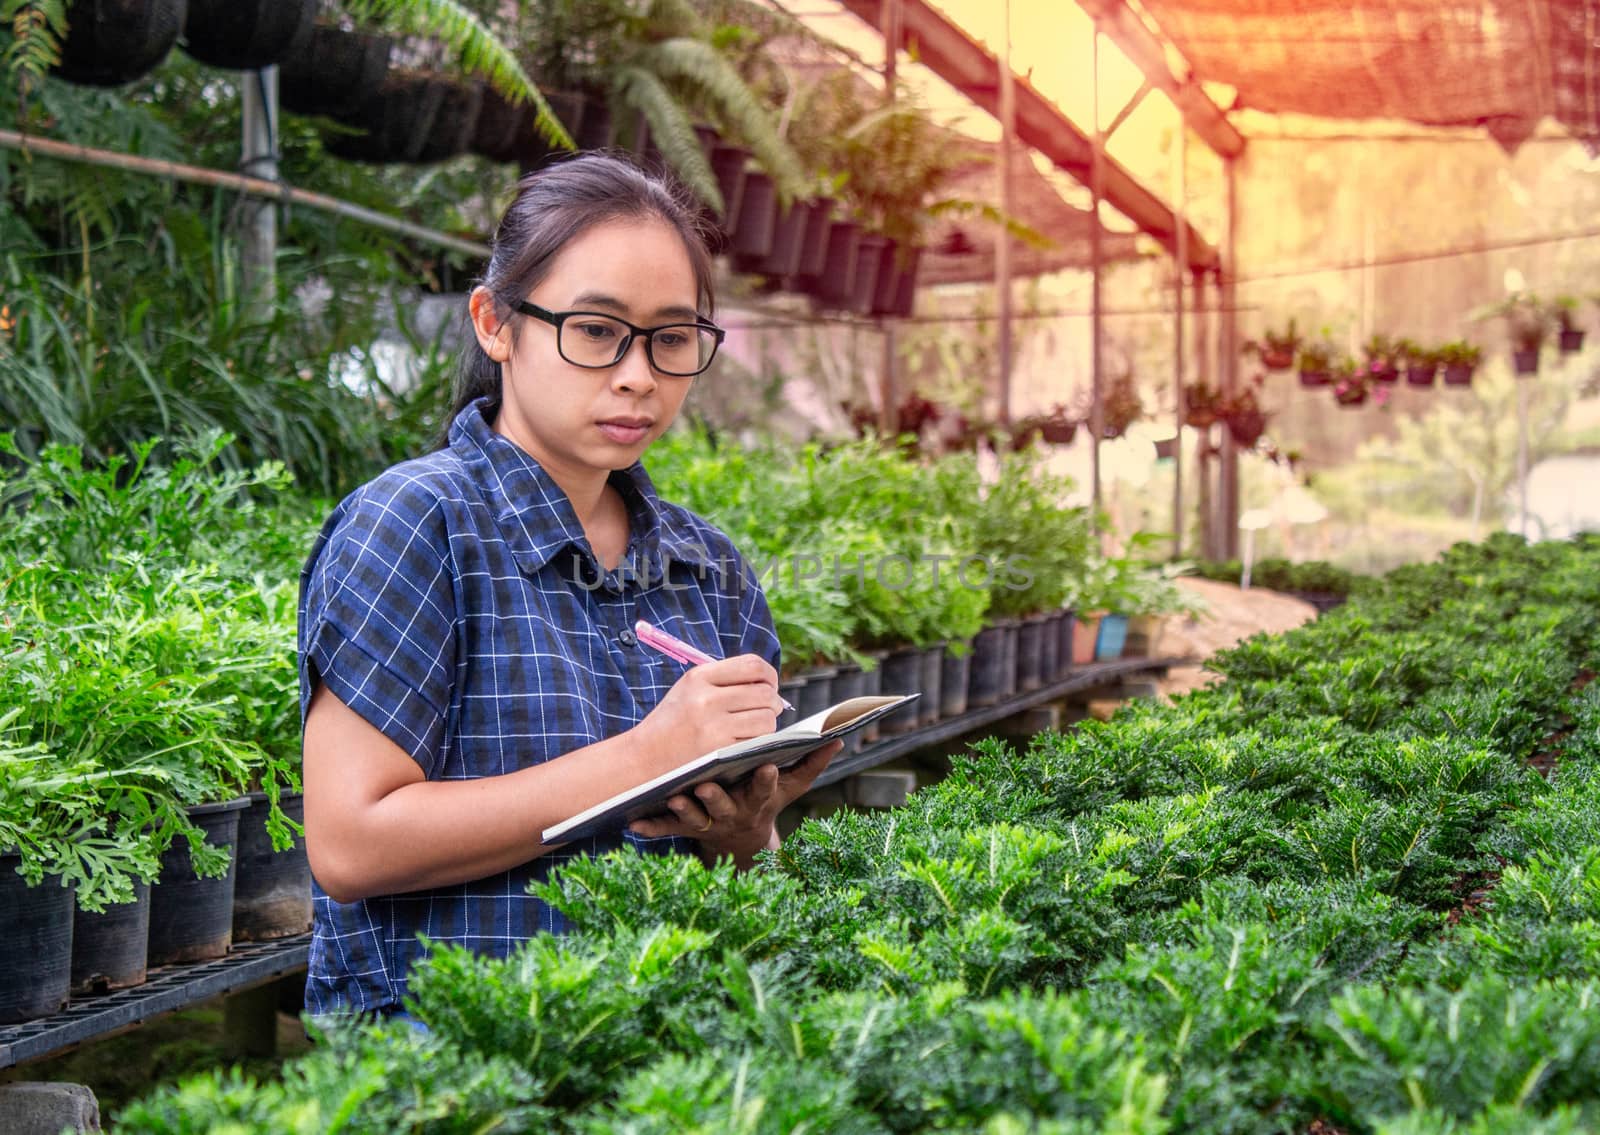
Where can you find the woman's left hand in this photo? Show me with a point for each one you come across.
(741, 820)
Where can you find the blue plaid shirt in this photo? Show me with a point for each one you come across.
(455, 603)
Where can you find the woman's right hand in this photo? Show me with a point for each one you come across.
(712, 705)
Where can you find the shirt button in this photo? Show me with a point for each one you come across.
(626, 637)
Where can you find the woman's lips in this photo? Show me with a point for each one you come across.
(625, 431)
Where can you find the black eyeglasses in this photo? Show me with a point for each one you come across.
(595, 340)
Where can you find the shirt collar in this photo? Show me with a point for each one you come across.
(538, 519)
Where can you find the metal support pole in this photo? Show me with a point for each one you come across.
(1180, 201)
(259, 158)
(1228, 333)
(1203, 465)
(1002, 245)
(1097, 415)
(1522, 453)
(889, 380)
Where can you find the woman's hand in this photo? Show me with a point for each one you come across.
(741, 820)
(712, 705)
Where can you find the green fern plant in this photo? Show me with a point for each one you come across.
(37, 28)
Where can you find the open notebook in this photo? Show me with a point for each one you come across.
(727, 765)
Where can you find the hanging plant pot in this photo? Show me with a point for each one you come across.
(835, 284)
(1571, 342)
(1458, 374)
(814, 244)
(453, 124)
(1525, 363)
(871, 254)
(1200, 417)
(272, 890)
(1315, 377)
(530, 150)
(888, 280)
(110, 42)
(905, 283)
(1386, 373)
(1058, 431)
(109, 947)
(728, 163)
(596, 128)
(1166, 449)
(1421, 374)
(1246, 427)
(788, 238)
(333, 71)
(191, 919)
(36, 943)
(396, 118)
(758, 216)
(246, 35)
(1277, 358)
(496, 133)
(1350, 399)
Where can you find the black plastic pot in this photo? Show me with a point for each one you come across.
(1422, 375)
(109, 948)
(36, 943)
(191, 919)
(835, 285)
(788, 234)
(897, 281)
(396, 118)
(246, 35)
(932, 687)
(1064, 642)
(1030, 653)
(333, 71)
(872, 253)
(1316, 377)
(272, 889)
(955, 674)
(1458, 374)
(814, 242)
(817, 694)
(902, 674)
(987, 678)
(596, 127)
(110, 42)
(1012, 628)
(1048, 646)
(758, 215)
(1571, 342)
(1525, 362)
(454, 123)
(849, 682)
(871, 687)
(728, 164)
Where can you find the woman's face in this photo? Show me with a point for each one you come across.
(578, 422)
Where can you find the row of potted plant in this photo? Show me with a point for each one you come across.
(1258, 909)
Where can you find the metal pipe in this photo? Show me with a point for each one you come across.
(258, 97)
(1002, 247)
(1228, 344)
(1180, 201)
(1097, 414)
(253, 186)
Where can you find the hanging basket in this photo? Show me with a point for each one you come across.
(834, 285)
(1246, 427)
(758, 217)
(1458, 374)
(871, 255)
(1278, 358)
(1166, 448)
(1421, 375)
(110, 42)
(1351, 398)
(728, 167)
(1315, 377)
(1525, 363)
(1571, 342)
(396, 118)
(453, 124)
(499, 126)
(246, 35)
(333, 72)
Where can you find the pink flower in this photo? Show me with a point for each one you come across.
(1380, 396)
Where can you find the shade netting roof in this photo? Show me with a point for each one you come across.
(1500, 64)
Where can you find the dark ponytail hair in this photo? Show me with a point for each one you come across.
(553, 206)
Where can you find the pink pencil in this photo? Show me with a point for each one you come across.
(675, 648)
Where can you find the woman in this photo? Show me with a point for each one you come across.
(468, 671)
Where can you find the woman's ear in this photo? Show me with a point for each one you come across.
(494, 333)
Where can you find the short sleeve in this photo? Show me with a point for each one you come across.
(378, 617)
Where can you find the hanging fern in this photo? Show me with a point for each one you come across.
(455, 25)
(37, 29)
(671, 130)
